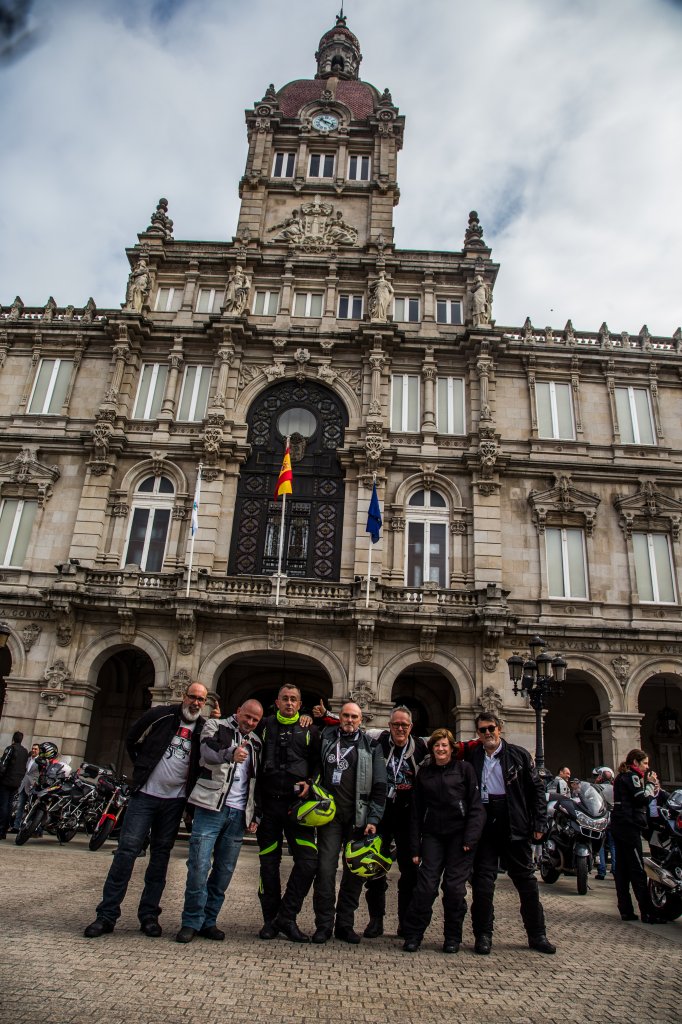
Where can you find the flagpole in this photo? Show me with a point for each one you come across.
(193, 532)
(369, 560)
(281, 547)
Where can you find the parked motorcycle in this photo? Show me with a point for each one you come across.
(664, 866)
(115, 794)
(575, 835)
(45, 803)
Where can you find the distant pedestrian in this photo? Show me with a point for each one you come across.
(25, 787)
(12, 770)
(634, 787)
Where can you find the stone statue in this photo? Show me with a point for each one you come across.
(139, 286)
(237, 295)
(291, 229)
(481, 302)
(337, 232)
(89, 311)
(380, 295)
(49, 310)
(16, 309)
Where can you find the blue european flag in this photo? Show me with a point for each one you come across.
(374, 520)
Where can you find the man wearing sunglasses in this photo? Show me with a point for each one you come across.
(516, 815)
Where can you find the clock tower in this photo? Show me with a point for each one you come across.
(321, 171)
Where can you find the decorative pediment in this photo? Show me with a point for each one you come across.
(315, 227)
(649, 509)
(26, 477)
(564, 504)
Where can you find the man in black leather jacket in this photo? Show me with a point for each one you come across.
(516, 814)
(164, 748)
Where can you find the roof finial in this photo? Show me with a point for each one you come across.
(340, 17)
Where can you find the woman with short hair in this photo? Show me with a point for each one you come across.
(446, 822)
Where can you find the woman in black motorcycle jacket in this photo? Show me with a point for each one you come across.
(633, 788)
(446, 821)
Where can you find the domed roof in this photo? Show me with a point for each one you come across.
(342, 28)
(360, 97)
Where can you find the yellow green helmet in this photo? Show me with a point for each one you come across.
(317, 809)
(365, 857)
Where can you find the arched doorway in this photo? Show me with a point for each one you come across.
(260, 676)
(429, 696)
(314, 419)
(572, 728)
(660, 701)
(124, 683)
(5, 669)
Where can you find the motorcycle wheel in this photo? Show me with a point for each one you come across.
(665, 903)
(65, 835)
(581, 870)
(31, 824)
(548, 873)
(100, 835)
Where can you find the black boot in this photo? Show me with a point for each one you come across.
(375, 928)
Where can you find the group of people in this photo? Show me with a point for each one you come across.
(454, 811)
(19, 770)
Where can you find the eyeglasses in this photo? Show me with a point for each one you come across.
(483, 729)
(400, 725)
(195, 700)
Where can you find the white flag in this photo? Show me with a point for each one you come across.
(195, 506)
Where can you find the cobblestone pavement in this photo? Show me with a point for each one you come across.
(604, 970)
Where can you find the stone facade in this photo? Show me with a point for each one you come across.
(529, 478)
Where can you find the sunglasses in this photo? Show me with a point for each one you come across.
(483, 729)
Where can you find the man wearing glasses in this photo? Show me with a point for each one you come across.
(516, 814)
(164, 748)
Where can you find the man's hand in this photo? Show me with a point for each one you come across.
(417, 861)
(537, 836)
(371, 830)
(252, 827)
(319, 711)
(215, 711)
(303, 788)
(305, 721)
(241, 753)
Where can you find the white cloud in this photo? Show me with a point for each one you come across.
(559, 123)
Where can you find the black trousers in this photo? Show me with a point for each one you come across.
(629, 871)
(394, 828)
(331, 840)
(516, 855)
(442, 856)
(276, 825)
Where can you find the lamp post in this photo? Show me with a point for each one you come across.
(538, 676)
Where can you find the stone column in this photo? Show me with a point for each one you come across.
(620, 732)
(175, 363)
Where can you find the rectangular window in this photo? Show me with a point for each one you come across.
(321, 165)
(406, 310)
(450, 417)
(654, 568)
(555, 410)
(16, 523)
(284, 165)
(426, 554)
(150, 391)
(308, 304)
(50, 387)
(147, 540)
(566, 564)
(210, 300)
(194, 393)
(350, 307)
(266, 303)
(168, 299)
(635, 421)
(358, 168)
(405, 402)
(448, 311)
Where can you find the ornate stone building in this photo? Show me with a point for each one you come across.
(530, 479)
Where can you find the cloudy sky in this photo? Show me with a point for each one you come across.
(558, 120)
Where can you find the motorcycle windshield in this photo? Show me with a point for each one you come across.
(54, 773)
(591, 801)
(675, 801)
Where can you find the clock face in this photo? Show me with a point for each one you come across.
(325, 122)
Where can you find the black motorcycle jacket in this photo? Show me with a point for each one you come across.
(148, 739)
(446, 799)
(291, 754)
(524, 790)
(631, 796)
(416, 751)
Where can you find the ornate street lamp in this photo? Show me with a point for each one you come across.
(538, 676)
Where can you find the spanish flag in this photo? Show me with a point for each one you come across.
(286, 477)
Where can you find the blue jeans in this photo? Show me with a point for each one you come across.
(6, 798)
(143, 813)
(22, 797)
(602, 854)
(216, 836)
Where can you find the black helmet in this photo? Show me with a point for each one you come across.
(48, 750)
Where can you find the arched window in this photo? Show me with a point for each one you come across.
(149, 522)
(427, 532)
